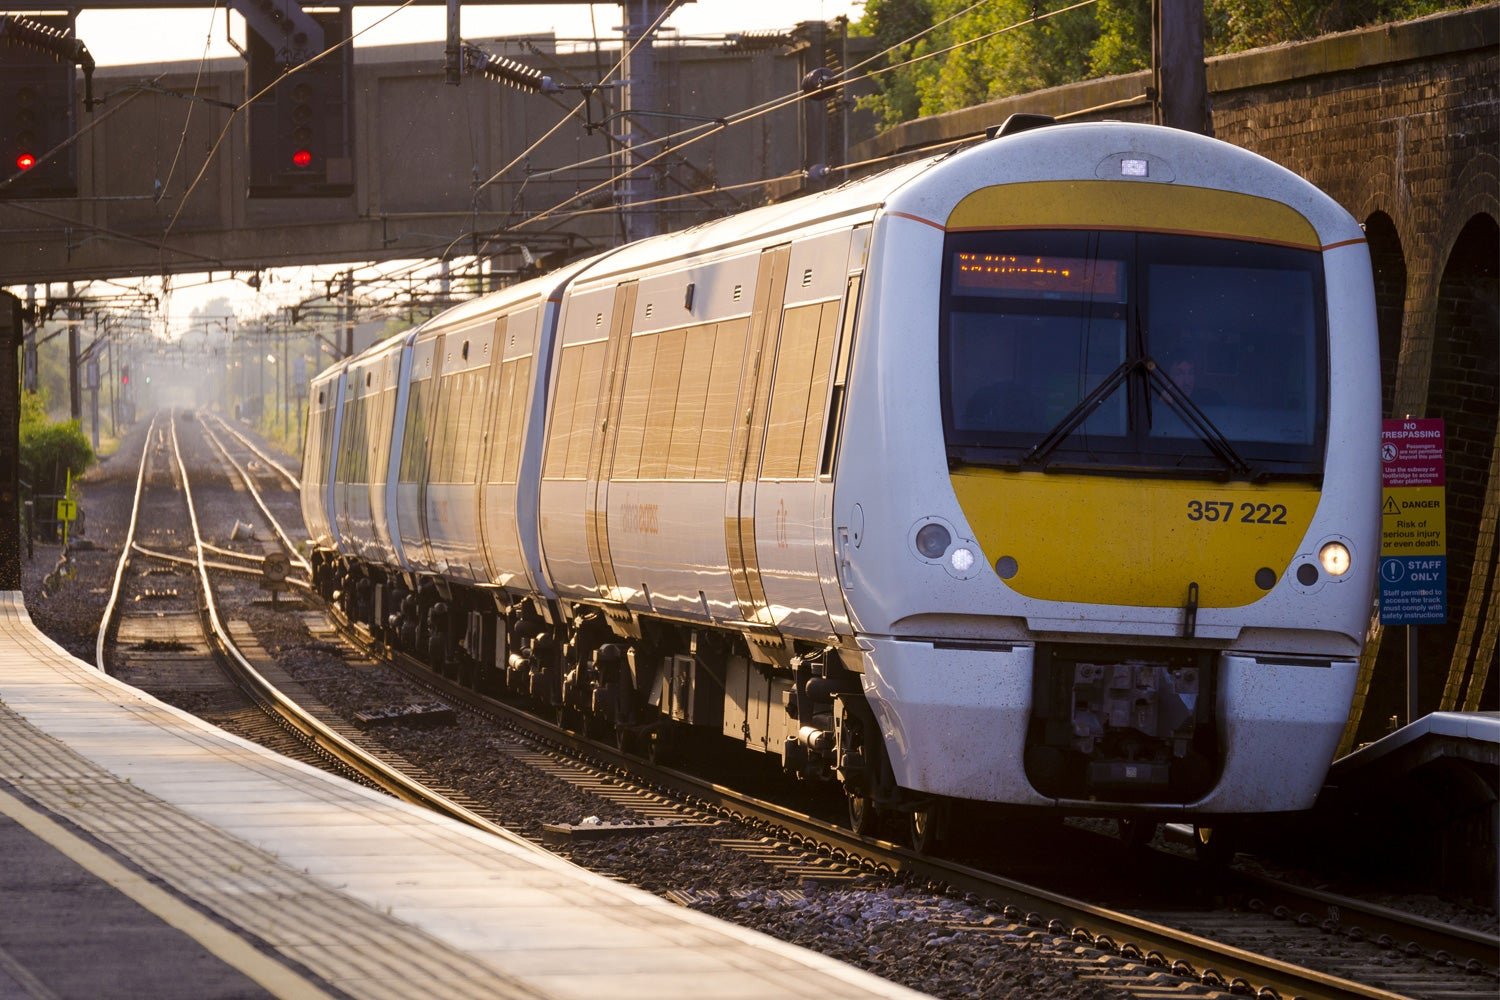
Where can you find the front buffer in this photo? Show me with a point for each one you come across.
(1035, 724)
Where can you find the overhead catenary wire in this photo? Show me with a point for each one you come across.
(740, 118)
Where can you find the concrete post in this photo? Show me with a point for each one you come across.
(642, 93)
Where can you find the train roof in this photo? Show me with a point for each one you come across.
(1054, 151)
(542, 287)
(862, 196)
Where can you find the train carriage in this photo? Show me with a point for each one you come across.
(1041, 473)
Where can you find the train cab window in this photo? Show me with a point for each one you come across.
(1116, 350)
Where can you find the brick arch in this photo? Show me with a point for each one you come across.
(1380, 191)
(1476, 192)
(1465, 391)
(1388, 261)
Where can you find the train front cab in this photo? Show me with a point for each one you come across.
(1136, 516)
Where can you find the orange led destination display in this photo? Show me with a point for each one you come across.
(1008, 275)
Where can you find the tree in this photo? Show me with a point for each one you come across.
(895, 25)
(972, 53)
(50, 450)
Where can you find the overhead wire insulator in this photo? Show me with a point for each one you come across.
(507, 71)
(758, 41)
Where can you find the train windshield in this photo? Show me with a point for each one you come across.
(1116, 350)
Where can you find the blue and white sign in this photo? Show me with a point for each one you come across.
(1414, 590)
(1413, 549)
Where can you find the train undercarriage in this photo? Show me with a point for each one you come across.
(1101, 726)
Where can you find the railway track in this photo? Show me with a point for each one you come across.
(180, 641)
(1273, 942)
(1267, 938)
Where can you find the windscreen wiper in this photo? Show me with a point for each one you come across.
(1075, 417)
(1192, 415)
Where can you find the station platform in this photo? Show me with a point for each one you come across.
(1422, 802)
(147, 853)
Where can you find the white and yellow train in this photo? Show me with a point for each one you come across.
(1042, 473)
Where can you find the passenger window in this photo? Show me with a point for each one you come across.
(662, 405)
(585, 411)
(562, 413)
(721, 404)
(692, 393)
(631, 434)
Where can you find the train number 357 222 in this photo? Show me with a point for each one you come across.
(1244, 513)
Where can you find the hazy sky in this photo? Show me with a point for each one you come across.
(150, 36)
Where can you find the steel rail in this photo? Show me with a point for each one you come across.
(286, 543)
(185, 561)
(314, 731)
(292, 480)
(111, 606)
(1176, 951)
(1462, 945)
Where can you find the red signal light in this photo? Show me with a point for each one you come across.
(25, 161)
(302, 158)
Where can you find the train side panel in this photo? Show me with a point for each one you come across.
(389, 522)
(382, 434)
(371, 391)
(664, 537)
(787, 498)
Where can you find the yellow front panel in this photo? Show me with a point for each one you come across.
(1134, 542)
(1133, 206)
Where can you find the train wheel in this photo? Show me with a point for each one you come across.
(862, 816)
(926, 827)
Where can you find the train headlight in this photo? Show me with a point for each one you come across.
(1334, 558)
(961, 560)
(933, 540)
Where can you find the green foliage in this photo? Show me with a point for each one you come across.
(1003, 47)
(50, 449)
(1124, 42)
(894, 24)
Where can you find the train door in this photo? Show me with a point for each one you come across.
(416, 445)
(351, 445)
(788, 493)
(749, 435)
(602, 449)
(492, 460)
(826, 545)
(402, 374)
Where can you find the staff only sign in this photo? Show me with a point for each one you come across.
(1413, 549)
